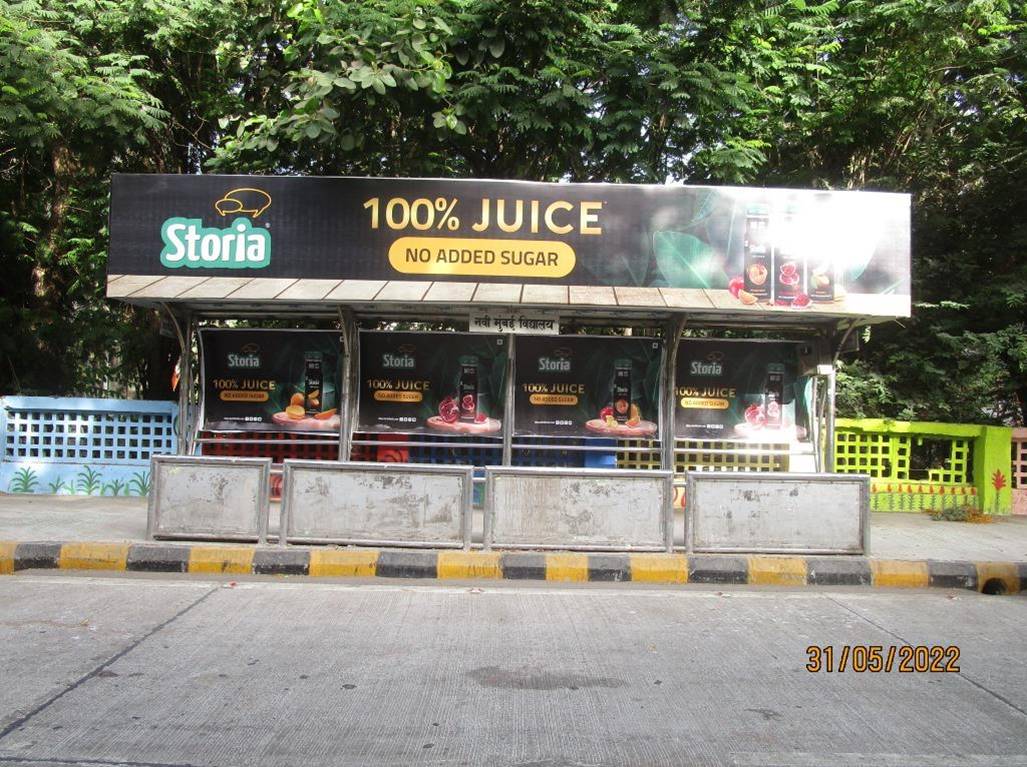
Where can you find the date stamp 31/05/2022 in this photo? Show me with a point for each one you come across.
(874, 659)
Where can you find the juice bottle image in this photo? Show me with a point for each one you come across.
(622, 390)
(788, 267)
(773, 395)
(313, 381)
(467, 389)
(821, 281)
(756, 246)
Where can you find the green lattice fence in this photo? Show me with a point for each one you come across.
(926, 466)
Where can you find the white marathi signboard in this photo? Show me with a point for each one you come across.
(515, 322)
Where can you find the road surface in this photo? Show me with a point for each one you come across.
(174, 671)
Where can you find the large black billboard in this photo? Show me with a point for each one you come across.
(441, 383)
(588, 386)
(740, 390)
(270, 380)
(748, 248)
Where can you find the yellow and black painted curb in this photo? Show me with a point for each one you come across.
(242, 559)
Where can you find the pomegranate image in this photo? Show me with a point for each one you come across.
(448, 411)
(736, 284)
(789, 279)
(480, 418)
(467, 403)
(755, 416)
(606, 411)
(801, 300)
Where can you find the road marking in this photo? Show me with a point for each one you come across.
(93, 556)
(469, 564)
(230, 560)
(565, 566)
(659, 568)
(1006, 572)
(327, 563)
(894, 573)
(7, 557)
(777, 571)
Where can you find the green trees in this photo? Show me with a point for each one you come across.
(923, 96)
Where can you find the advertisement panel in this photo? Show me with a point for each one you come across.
(752, 249)
(270, 380)
(740, 390)
(588, 386)
(441, 383)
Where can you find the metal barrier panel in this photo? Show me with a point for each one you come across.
(202, 498)
(777, 513)
(589, 509)
(377, 503)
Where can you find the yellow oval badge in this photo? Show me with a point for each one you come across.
(382, 395)
(532, 259)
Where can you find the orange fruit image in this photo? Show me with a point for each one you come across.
(757, 274)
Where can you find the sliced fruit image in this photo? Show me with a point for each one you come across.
(621, 406)
(467, 403)
(325, 415)
(801, 300)
(754, 416)
(789, 279)
(788, 267)
(448, 411)
(635, 413)
(757, 274)
(606, 412)
(747, 298)
(295, 411)
(296, 400)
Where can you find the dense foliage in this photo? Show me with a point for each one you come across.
(925, 96)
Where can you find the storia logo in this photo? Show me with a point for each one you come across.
(711, 367)
(241, 246)
(402, 361)
(560, 362)
(247, 358)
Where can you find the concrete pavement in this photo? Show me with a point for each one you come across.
(160, 670)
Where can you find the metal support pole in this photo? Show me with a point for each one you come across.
(508, 404)
(814, 425)
(672, 330)
(829, 435)
(349, 363)
(184, 378)
(831, 390)
(195, 378)
(348, 406)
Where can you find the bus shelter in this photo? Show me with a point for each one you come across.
(584, 348)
